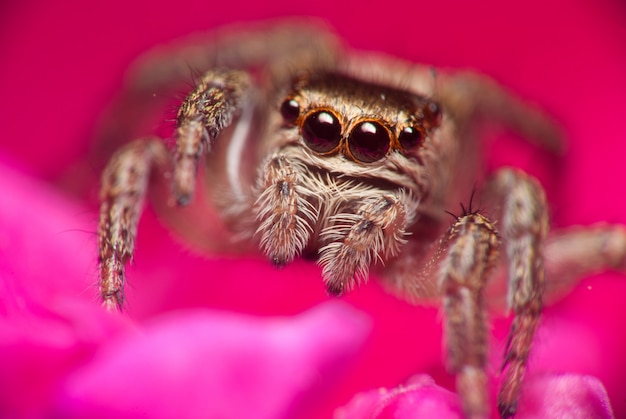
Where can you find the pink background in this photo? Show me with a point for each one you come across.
(62, 64)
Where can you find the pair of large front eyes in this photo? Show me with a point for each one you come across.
(367, 142)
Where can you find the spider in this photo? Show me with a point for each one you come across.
(306, 148)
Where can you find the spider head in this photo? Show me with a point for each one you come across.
(361, 121)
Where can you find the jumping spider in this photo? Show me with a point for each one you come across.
(354, 159)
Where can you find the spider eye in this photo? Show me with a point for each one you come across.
(290, 110)
(321, 131)
(432, 112)
(410, 138)
(369, 141)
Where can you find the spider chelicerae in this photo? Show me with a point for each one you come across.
(306, 148)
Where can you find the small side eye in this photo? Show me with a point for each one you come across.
(290, 110)
(410, 138)
(321, 131)
(432, 113)
(369, 141)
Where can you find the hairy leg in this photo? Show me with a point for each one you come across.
(123, 191)
(470, 97)
(285, 44)
(576, 252)
(523, 216)
(472, 249)
(212, 106)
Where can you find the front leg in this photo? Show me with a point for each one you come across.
(471, 249)
(122, 195)
(524, 227)
(217, 99)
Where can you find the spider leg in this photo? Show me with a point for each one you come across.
(374, 230)
(122, 194)
(579, 251)
(286, 218)
(472, 248)
(524, 227)
(471, 97)
(284, 44)
(217, 99)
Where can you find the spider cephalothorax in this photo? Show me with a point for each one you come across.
(354, 159)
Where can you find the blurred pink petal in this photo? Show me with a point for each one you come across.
(420, 398)
(51, 326)
(38, 348)
(547, 396)
(47, 243)
(199, 364)
(49, 322)
(564, 396)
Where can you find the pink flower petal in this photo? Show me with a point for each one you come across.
(39, 347)
(420, 398)
(565, 396)
(198, 364)
(548, 396)
(49, 321)
(47, 244)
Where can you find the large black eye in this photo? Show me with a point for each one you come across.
(321, 131)
(369, 141)
(410, 138)
(290, 110)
